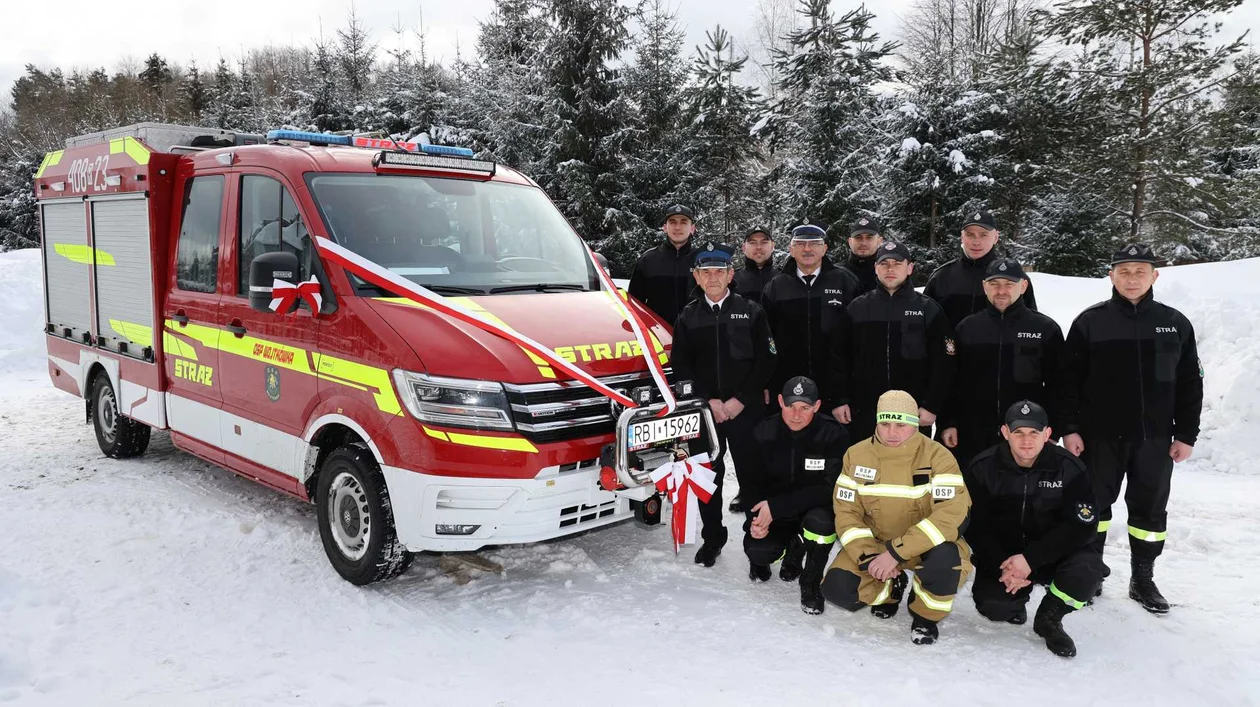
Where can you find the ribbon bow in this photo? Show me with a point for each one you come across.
(284, 294)
(686, 483)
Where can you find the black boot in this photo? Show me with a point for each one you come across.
(758, 573)
(811, 577)
(1048, 623)
(1020, 617)
(888, 609)
(790, 569)
(708, 554)
(922, 631)
(1142, 586)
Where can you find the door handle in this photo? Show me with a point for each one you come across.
(181, 318)
(236, 328)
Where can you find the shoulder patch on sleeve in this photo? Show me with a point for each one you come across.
(1085, 513)
(845, 494)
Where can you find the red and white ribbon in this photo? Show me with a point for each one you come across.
(687, 483)
(284, 294)
(382, 277)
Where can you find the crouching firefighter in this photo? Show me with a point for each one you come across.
(788, 486)
(900, 504)
(1033, 521)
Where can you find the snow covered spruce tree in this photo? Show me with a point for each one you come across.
(1153, 66)
(1234, 146)
(720, 113)
(824, 125)
(586, 114)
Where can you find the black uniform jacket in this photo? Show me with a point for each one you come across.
(805, 322)
(662, 279)
(1134, 373)
(959, 287)
(1045, 512)
(794, 471)
(900, 341)
(864, 270)
(751, 279)
(726, 355)
(1004, 357)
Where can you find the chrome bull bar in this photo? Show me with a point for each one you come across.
(625, 461)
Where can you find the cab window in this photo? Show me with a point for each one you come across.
(269, 222)
(197, 252)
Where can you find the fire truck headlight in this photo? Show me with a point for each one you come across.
(454, 402)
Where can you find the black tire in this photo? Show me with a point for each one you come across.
(120, 437)
(359, 537)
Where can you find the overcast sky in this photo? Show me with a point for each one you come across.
(88, 34)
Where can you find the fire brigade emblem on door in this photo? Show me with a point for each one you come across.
(273, 383)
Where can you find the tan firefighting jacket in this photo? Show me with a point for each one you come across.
(906, 500)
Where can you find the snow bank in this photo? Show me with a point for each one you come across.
(22, 311)
(1222, 301)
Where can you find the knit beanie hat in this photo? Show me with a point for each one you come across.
(897, 406)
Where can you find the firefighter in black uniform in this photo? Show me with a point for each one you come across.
(1033, 521)
(788, 488)
(864, 243)
(722, 344)
(957, 285)
(896, 339)
(805, 304)
(1136, 388)
(758, 268)
(1006, 352)
(662, 276)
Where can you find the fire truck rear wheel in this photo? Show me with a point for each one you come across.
(356, 520)
(120, 437)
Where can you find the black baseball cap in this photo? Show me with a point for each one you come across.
(679, 210)
(800, 390)
(893, 249)
(1026, 413)
(1005, 269)
(980, 217)
(866, 224)
(1134, 253)
(714, 255)
(754, 231)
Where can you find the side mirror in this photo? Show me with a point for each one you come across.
(264, 271)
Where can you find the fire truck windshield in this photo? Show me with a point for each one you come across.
(454, 235)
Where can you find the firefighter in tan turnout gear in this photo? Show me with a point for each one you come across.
(899, 503)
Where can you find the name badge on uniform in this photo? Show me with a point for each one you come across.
(942, 493)
(864, 473)
(814, 464)
(844, 494)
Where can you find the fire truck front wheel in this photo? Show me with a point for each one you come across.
(356, 522)
(119, 437)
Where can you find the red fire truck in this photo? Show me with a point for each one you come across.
(410, 431)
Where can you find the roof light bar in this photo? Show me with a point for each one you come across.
(379, 144)
(311, 137)
(411, 160)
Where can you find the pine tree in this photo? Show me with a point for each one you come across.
(196, 97)
(356, 55)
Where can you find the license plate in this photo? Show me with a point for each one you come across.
(645, 434)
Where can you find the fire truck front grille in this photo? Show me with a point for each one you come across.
(557, 412)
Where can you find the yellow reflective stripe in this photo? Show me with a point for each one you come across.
(1151, 536)
(929, 529)
(883, 595)
(894, 490)
(507, 444)
(928, 601)
(1103, 525)
(331, 367)
(83, 254)
(855, 533)
(948, 480)
(843, 480)
(52, 159)
(174, 346)
(1066, 599)
(138, 334)
(816, 538)
(278, 355)
(205, 335)
(130, 146)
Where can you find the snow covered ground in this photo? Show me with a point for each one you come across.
(166, 581)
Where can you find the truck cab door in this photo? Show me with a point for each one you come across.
(270, 389)
(190, 333)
